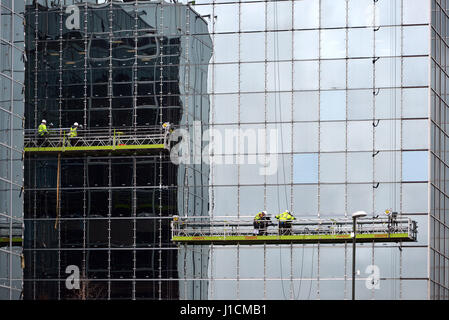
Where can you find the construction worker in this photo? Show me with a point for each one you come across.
(285, 222)
(42, 132)
(392, 223)
(261, 223)
(168, 127)
(73, 134)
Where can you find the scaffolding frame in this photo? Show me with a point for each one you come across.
(97, 140)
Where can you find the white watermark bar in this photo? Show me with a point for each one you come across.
(250, 146)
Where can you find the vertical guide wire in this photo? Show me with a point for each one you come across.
(346, 123)
(265, 150)
(238, 143)
(212, 166)
(291, 137)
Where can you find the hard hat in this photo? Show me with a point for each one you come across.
(287, 211)
(76, 124)
(264, 212)
(387, 212)
(43, 121)
(166, 124)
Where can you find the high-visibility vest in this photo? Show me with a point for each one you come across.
(73, 132)
(42, 129)
(258, 216)
(284, 216)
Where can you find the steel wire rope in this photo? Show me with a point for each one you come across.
(393, 137)
(276, 82)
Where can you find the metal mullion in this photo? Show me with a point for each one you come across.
(212, 166)
(239, 57)
(374, 128)
(86, 48)
(110, 88)
(346, 142)
(265, 142)
(161, 31)
(319, 133)
(109, 224)
(58, 206)
(292, 104)
(401, 142)
(134, 207)
(135, 66)
(84, 266)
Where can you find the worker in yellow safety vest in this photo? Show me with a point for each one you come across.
(73, 134)
(42, 130)
(285, 222)
(42, 133)
(392, 222)
(261, 223)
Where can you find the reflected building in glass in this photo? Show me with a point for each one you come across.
(11, 145)
(357, 93)
(113, 66)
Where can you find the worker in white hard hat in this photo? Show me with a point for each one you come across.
(42, 133)
(73, 134)
(42, 130)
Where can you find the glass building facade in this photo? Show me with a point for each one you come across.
(439, 90)
(345, 86)
(11, 145)
(346, 101)
(114, 66)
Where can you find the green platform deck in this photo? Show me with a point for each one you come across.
(96, 148)
(299, 239)
(16, 241)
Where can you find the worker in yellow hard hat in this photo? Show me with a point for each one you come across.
(261, 223)
(285, 222)
(167, 126)
(392, 222)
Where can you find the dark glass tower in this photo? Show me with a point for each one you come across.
(113, 67)
(11, 145)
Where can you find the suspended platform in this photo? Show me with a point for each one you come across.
(99, 140)
(5, 242)
(305, 231)
(10, 236)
